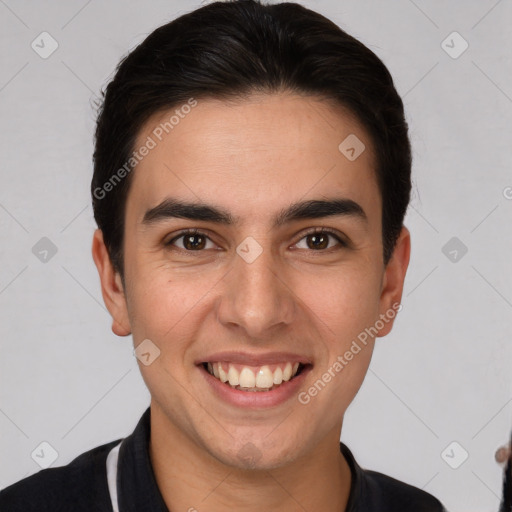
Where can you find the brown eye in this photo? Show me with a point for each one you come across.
(318, 240)
(192, 241)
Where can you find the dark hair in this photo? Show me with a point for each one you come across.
(506, 499)
(230, 50)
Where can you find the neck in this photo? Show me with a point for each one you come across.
(191, 479)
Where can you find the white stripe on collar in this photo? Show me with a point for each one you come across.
(112, 475)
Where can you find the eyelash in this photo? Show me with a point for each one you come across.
(311, 231)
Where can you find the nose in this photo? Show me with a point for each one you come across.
(256, 299)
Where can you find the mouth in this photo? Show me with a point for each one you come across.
(255, 381)
(249, 378)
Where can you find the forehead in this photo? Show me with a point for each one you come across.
(252, 154)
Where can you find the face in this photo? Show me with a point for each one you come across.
(253, 289)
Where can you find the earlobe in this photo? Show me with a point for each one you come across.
(111, 286)
(393, 280)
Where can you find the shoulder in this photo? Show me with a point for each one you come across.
(80, 485)
(390, 494)
(372, 491)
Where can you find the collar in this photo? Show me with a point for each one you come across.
(137, 490)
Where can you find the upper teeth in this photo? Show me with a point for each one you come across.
(248, 377)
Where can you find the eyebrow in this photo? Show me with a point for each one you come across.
(171, 208)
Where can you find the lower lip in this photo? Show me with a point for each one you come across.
(256, 399)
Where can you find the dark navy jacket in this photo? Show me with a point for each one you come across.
(82, 484)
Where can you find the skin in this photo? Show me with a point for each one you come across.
(252, 157)
(503, 454)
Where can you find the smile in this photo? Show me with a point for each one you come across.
(253, 378)
(255, 381)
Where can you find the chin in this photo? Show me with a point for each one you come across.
(253, 456)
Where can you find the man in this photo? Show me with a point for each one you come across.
(252, 173)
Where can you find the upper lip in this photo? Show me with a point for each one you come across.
(254, 359)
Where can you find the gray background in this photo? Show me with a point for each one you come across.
(442, 375)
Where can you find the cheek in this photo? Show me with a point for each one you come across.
(162, 297)
(344, 300)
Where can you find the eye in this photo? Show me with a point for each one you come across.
(193, 240)
(318, 239)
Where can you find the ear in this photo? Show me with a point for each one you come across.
(393, 280)
(111, 286)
